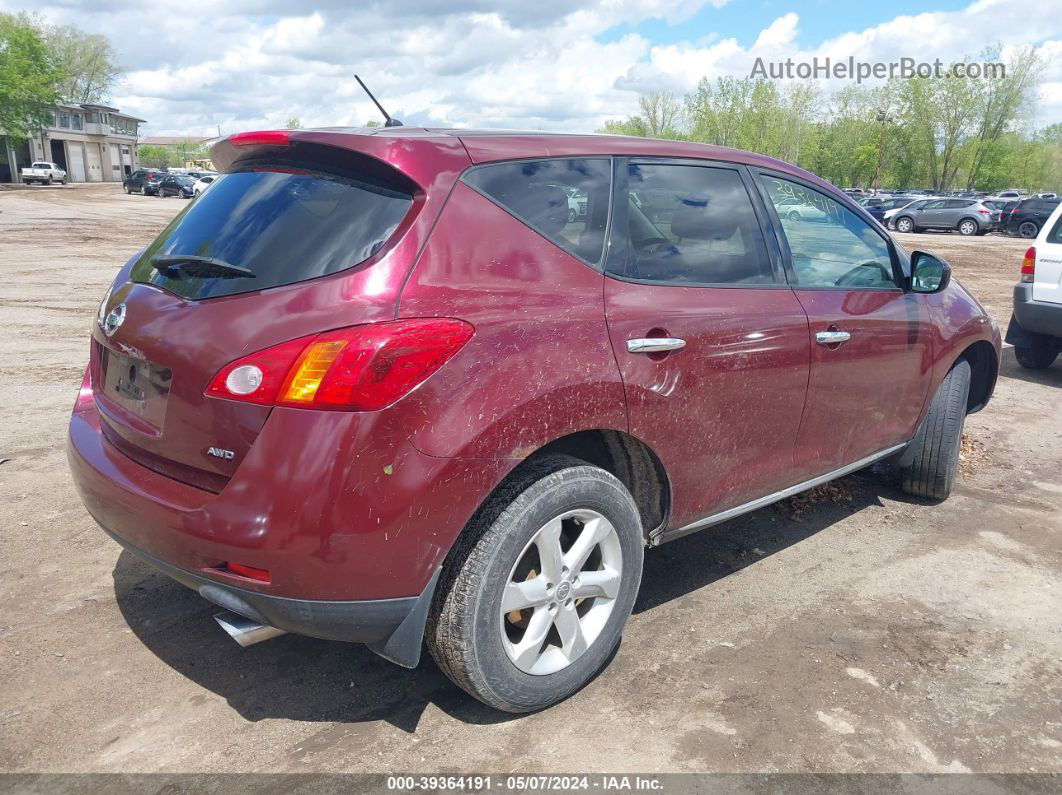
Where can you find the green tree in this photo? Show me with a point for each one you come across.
(294, 123)
(153, 156)
(29, 78)
(87, 61)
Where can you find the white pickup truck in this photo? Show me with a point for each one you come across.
(44, 173)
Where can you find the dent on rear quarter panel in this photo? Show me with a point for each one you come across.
(540, 364)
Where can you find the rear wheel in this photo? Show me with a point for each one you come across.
(537, 591)
(933, 457)
(968, 227)
(1028, 229)
(905, 224)
(48, 181)
(1041, 354)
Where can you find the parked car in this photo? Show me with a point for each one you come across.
(878, 207)
(1035, 328)
(1029, 216)
(966, 216)
(176, 185)
(374, 387)
(202, 183)
(798, 209)
(576, 204)
(1010, 193)
(44, 173)
(1047, 195)
(889, 217)
(144, 181)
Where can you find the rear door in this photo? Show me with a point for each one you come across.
(871, 345)
(711, 342)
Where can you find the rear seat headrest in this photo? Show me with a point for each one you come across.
(543, 206)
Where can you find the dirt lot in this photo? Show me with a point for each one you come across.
(856, 631)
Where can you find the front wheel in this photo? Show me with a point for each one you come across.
(1028, 230)
(536, 592)
(929, 465)
(905, 225)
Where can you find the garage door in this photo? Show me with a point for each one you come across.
(95, 167)
(76, 158)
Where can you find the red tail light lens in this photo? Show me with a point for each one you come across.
(1028, 265)
(262, 575)
(261, 138)
(363, 368)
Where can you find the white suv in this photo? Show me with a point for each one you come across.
(1035, 328)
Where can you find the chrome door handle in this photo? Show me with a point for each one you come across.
(832, 337)
(655, 344)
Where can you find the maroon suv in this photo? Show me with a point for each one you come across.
(387, 387)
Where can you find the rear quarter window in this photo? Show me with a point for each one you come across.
(285, 222)
(565, 199)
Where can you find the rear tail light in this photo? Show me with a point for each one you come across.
(1028, 265)
(362, 368)
(261, 138)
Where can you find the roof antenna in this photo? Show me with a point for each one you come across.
(390, 122)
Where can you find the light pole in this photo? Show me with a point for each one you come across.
(883, 118)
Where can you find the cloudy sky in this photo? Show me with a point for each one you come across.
(538, 64)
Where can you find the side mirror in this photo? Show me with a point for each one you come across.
(929, 274)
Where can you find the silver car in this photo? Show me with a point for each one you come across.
(967, 216)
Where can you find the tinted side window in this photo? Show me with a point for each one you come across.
(693, 225)
(564, 200)
(830, 245)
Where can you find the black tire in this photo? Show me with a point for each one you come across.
(905, 224)
(571, 216)
(968, 227)
(1028, 230)
(143, 190)
(1038, 356)
(932, 459)
(48, 181)
(466, 628)
(127, 189)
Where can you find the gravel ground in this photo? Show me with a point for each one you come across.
(852, 630)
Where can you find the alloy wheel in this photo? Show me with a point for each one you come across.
(561, 591)
(967, 227)
(1028, 229)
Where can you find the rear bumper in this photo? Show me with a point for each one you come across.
(336, 506)
(1036, 317)
(370, 621)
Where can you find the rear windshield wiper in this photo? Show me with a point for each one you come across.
(173, 265)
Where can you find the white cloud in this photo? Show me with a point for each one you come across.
(243, 64)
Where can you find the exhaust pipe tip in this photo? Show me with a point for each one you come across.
(246, 631)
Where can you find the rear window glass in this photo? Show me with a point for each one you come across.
(266, 225)
(565, 200)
